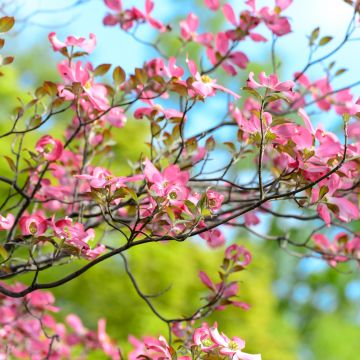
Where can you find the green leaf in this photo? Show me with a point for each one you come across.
(323, 191)
(210, 144)
(119, 75)
(346, 117)
(253, 92)
(11, 163)
(35, 121)
(275, 97)
(331, 65)
(102, 69)
(314, 35)
(269, 136)
(51, 88)
(192, 208)
(171, 214)
(325, 40)
(6, 23)
(4, 254)
(340, 71)
(230, 146)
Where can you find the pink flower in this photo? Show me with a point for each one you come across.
(307, 120)
(50, 148)
(106, 343)
(346, 210)
(99, 178)
(333, 252)
(210, 340)
(151, 348)
(76, 72)
(202, 338)
(324, 213)
(42, 300)
(123, 17)
(230, 14)
(344, 103)
(235, 252)
(212, 4)
(271, 82)
(7, 222)
(214, 237)
(171, 183)
(283, 4)
(279, 25)
(87, 45)
(33, 225)
(214, 199)
(222, 48)
(116, 117)
(92, 254)
(75, 323)
(150, 112)
(159, 350)
(188, 29)
(231, 348)
(77, 237)
(203, 85)
(114, 4)
(206, 280)
(139, 15)
(251, 219)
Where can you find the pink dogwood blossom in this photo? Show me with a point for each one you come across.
(84, 44)
(6, 222)
(50, 148)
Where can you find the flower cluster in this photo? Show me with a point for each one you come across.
(340, 249)
(128, 18)
(29, 327)
(65, 235)
(207, 343)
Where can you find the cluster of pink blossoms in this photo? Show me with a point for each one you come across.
(127, 18)
(29, 330)
(311, 152)
(79, 83)
(221, 46)
(72, 238)
(158, 202)
(206, 343)
(338, 250)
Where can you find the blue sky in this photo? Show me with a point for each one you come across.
(114, 46)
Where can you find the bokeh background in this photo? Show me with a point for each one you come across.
(301, 308)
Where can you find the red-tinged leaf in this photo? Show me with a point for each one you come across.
(210, 144)
(325, 40)
(102, 69)
(10, 162)
(6, 23)
(340, 71)
(2, 42)
(51, 88)
(119, 75)
(7, 60)
(40, 92)
(314, 35)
